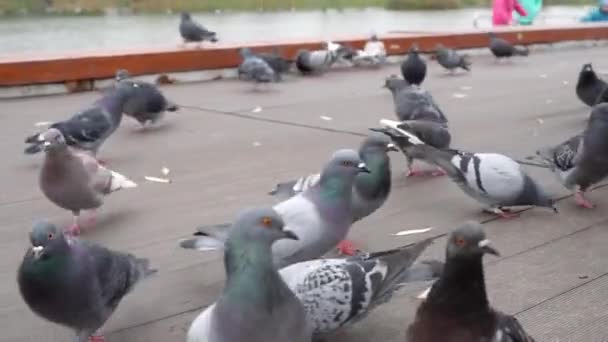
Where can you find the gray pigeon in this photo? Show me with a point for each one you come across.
(75, 181)
(370, 190)
(451, 60)
(412, 102)
(191, 31)
(582, 160)
(147, 103)
(88, 129)
(256, 304)
(457, 307)
(319, 61)
(278, 64)
(430, 132)
(255, 69)
(413, 68)
(337, 292)
(503, 49)
(321, 216)
(75, 283)
(493, 179)
(591, 89)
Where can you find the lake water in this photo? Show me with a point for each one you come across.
(56, 34)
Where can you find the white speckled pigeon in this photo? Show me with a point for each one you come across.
(451, 60)
(75, 181)
(490, 178)
(147, 103)
(88, 129)
(370, 190)
(431, 132)
(336, 292)
(412, 102)
(373, 53)
(256, 304)
(591, 89)
(75, 283)
(457, 307)
(582, 160)
(191, 31)
(413, 68)
(321, 216)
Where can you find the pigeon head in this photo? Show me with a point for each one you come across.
(185, 16)
(260, 225)
(52, 140)
(394, 83)
(245, 52)
(345, 163)
(374, 38)
(469, 241)
(121, 74)
(377, 142)
(414, 50)
(587, 73)
(47, 240)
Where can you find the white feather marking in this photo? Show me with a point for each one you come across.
(498, 335)
(413, 231)
(393, 125)
(424, 294)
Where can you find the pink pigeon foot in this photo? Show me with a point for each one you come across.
(346, 247)
(74, 229)
(97, 338)
(582, 201)
(505, 213)
(438, 173)
(414, 173)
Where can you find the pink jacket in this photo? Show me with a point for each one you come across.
(502, 11)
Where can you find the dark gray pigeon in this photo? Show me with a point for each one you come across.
(590, 88)
(256, 304)
(278, 64)
(255, 69)
(503, 49)
(75, 283)
(413, 102)
(88, 129)
(147, 103)
(337, 292)
(413, 67)
(451, 60)
(430, 132)
(74, 180)
(582, 160)
(493, 179)
(370, 190)
(191, 31)
(457, 308)
(321, 216)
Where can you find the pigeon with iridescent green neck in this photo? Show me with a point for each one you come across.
(75, 283)
(321, 216)
(256, 304)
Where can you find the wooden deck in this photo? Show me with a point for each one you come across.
(553, 272)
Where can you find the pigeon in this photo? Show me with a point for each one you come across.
(74, 180)
(430, 132)
(582, 160)
(337, 292)
(75, 283)
(493, 179)
(413, 67)
(191, 31)
(88, 129)
(255, 69)
(590, 88)
(503, 49)
(147, 104)
(413, 102)
(256, 304)
(318, 61)
(278, 64)
(373, 53)
(457, 307)
(370, 190)
(451, 60)
(321, 216)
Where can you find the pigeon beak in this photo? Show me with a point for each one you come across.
(486, 246)
(363, 168)
(37, 250)
(392, 147)
(288, 234)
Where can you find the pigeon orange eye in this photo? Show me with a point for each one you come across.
(460, 242)
(51, 236)
(267, 221)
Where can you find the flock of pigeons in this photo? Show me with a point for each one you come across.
(278, 287)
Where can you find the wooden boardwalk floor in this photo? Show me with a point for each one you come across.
(553, 273)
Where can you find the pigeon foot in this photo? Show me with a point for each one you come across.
(414, 173)
(346, 247)
(97, 338)
(74, 229)
(438, 173)
(582, 201)
(504, 213)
